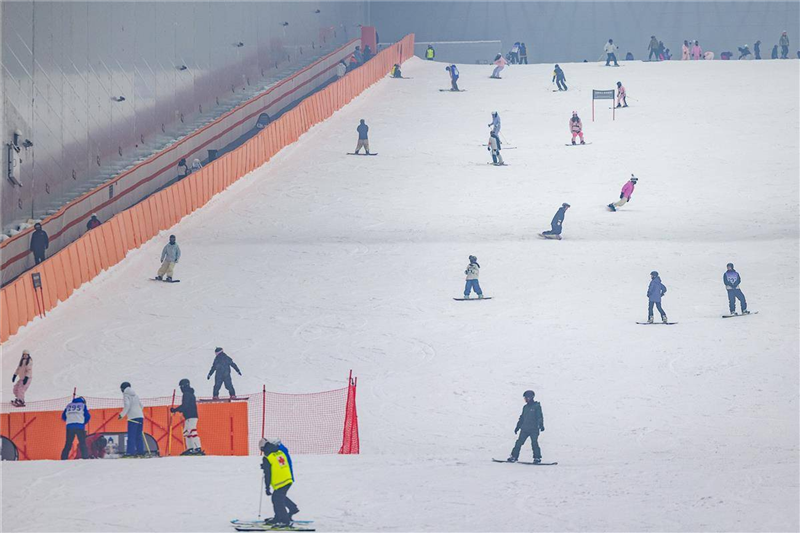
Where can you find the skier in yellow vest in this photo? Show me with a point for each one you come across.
(430, 53)
(278, 474)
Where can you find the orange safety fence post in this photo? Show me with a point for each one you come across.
(169, 424)
(88, 248)
(66, 273)
(115, 241)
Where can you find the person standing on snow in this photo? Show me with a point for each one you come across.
(170, 255)
(24, 373)
(363, 137)
(625, 194)
(610, 49)
(473, 271)
(188, 408)
(757, 49)
(557, 223)
(784, 42)
(278, 474)
(530, 423)
(94, 222)
(494, 149)
(621, 94)
(697, 52)
(495, 123)
(76, 415)
(653, 48)
(132, 408)
(222, 366)
(655, 291)
(523, 54)
(499, 64)
(290, 505)
(39, 243)
(731, 279)
(576, 127)
(559, 78)
(430, 53)
(685, 51)
(453, 71)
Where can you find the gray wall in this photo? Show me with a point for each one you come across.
(574, 31)
(62, 62)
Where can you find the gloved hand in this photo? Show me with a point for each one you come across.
(630, 198)
(24, 380)
(14, 377)
(173, 409)
(119, 417)
(208, 377)
(516, 430)
(621, 196)
(269, 492)
(238, 372)
(541, 429)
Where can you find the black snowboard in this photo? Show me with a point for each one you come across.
(731, 316)
(525, 463)
(470, 299)
(353, 153)
(166, 281)
(549, 237)
(452, 91)
(657, 323)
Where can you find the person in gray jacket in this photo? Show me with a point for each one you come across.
(530, 423)
(170, 256)
(222, 367)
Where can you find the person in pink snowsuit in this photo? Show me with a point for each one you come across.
(500, 63)
(24, 374)
(621, 95)
(697, 52)
(576, 127)
(625, 194)
(685, 51)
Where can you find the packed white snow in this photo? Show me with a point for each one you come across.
(320, 262)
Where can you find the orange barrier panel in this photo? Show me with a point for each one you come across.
(102, 250)
(5, 322)
(49, 286)
(83, 266)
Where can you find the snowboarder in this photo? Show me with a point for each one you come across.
(530, 423)
(430, 53)
(732, 279)
(685, 51)
(473, 271)
(278, 474)
(170, 256)
(39, 243)
(610, 48)
(784, 42)
(363, 137)
(653, 47)
(292, 507)
(495, 123)
(744, 52)
(132, 408)
(396, 73)
(697, 52)
(557, 223)
(559, 78)
(625, 194)
(576, 127)
(76, 415)
(494, 149)
(523, 54)
(655, 291)
(94, 222)
(24, 373)
(621, 95)
(453, 71)
(188, 408)
(757, 49)
(499, 64)
(222, 366)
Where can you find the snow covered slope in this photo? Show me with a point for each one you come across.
(320, 262)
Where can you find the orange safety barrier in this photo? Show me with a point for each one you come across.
(107, 245)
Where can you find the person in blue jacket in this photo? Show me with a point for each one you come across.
(453, 71)
(290, 505)
(655, 291)
(76, 415)
(557, 223)
(732, 279)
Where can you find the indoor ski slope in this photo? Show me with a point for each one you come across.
(321, 262)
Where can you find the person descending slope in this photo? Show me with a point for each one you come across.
(621, 96)
(530, 423)
(494, 149)
(557, 223)
(576, 127)
(473, 271)
(655, 291)
(625, 194)
(222, 367)
(396, 72)
(499, 64)
(170, 256)
(495, 123)
(290, 505)
(559, 78)
(732, 279)
(24, 372)
(610, 49)
(453, 71)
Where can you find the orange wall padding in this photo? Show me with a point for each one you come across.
(107, 245)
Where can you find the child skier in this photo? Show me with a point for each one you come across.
(655, 291)
(278, 474)
(621, 95)
(559, 78)
(453, 71)
(170, 256)
(494, 148)
(188, 408)
(625, 194)
(732, 279)
(576, 127)
(499, 64)
(473, 271)
(530, 423)
(24, 373)
(557, 223)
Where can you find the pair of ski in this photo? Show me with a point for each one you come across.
(259, 525)
(523, 462)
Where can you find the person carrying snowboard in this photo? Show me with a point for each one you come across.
(557, 223)
(530, 423)
(621, 96)
(494, 149)
(453, 71)
(24, 373)
(732, 279)
(222, 366)
(655, 291)
(170, 255)
(610, 49)
(278, 474)
(363, 137)
(188, 408)
(473, 271)
(576, 127)
(132, 408)
(559, 78)
(625, 194)
(499, 64)
(495, 123)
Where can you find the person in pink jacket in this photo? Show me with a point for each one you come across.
(697, 52)
(24, 374)
(685, 51)
(500, 63)
(621, 95)
(625, 194)
(576, 127)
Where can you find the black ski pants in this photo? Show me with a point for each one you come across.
(523, 60)
(219, 380)
(71, 434)
(561, 85)
(733, 294)
(38, 256)
(282, 505)
(523, 436)
(650, 309)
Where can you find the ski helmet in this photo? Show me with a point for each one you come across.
(654, 273)
(565, 204)
(124, 385)
(25, 352)
(619, 84)
(217, 350)
(730, 265)
(473, 259)
(634, 178)
(528, 394)
(184, 383)
(574, 113)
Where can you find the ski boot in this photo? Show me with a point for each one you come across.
(537, 461)
(480, 297)
(511, 459)
(169, 278)
(611, 206)
(187, 451)
(649, 320)
(573, 142)
(583, 142)
(664, 319)
(159, 278)
(744, 312)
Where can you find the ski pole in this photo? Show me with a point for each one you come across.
(260, 495)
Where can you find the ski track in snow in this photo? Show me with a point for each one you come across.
(314, 265)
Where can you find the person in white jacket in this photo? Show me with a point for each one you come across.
(473, 271)
(132, 408)
(610, 49)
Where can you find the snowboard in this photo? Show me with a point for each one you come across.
(550, 237)
(657, 323)
(577, 144)
(452, 91)
(400, 78)
(469, 299)
(353, 153)
(268, 527)
(166, 281)
(731, 316)
(237, 522)
(525, 463)
(558, 91)
(494, 165)
(611, 208)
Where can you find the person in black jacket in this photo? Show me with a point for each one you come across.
(732, 279)
(222, 366)
(363, 136)
(559, 78)
(530, 423)
(557, 223)
(188, 408)
(39, 243)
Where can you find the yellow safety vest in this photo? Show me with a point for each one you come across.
(429, 53)
(394, 69)
(280, 473)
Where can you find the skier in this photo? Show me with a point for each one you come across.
(24, 373)
(523, 54)
(430, 53)
(653, 47)
(784, 42)
(757, 49)
(473, 271)
(292, 507)
(576, 127)
(494, 149)
(132, 408)
(515, 53)
(744, 52)
(610, 48)
(621, 95)
(557, 223)
(278, 474)
(93, 222)
(363, 137)
(530, 423)
(396, 71)
(495, 123)
(76, 415)
(499, 64)
(453, 71)
(188, 408)
(39, 243)
(732, 279)
(655, 291)
(222, 366)
(685, 51)
(625, 194)
(559, 78)
(697, 52)
(170, 256)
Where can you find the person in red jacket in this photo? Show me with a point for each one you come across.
(576, 127)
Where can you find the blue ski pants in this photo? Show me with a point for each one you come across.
(135, 444)
(733, 294)
(472, 285)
